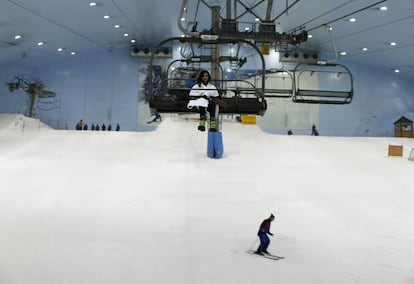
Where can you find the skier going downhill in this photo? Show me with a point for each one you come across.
(264, 230)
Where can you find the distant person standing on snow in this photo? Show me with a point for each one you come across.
(314, 131)
(79, 125)
(264, 230)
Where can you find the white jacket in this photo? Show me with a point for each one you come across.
(208, 90)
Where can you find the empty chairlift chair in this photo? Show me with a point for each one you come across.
(323, 83)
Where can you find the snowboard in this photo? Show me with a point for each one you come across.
(214, 144)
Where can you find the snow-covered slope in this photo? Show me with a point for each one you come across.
(150, 207)
(20, 122)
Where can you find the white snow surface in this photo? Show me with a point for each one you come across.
(150, 207)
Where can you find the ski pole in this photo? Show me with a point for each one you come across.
(251, 247)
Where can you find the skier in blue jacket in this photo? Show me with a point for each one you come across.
(264, 230)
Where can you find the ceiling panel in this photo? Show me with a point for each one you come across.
(74, 25)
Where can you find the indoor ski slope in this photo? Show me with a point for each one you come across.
(150, 207)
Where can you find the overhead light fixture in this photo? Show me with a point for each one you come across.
(17, 37)
(182, 19)
(383, 8)
(352, 20)
(133, 41)
(310, 36)
(126, 34)
(40, 43)
(393, 43)
(396, 70)
(342, 53)
(364, 49)
(92, 4)
(106, 17)
(60, 49)
(73, 53)
(117, 26)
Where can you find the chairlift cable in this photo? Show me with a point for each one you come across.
(346, 16)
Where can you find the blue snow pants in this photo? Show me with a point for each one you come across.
(264, 242)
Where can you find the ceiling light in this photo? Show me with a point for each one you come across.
(396, 70)
(125, 34)
(106, 17)
(40, 43)
(60, 49)
(383, 8)
(17, 37)
(182, 19)
(246, 29)
(310, 36)
(117, 26)
(257, 19)
(352, 20)
(342, 53)
(132, 40)
(92, 4)
(364, 49)
(393, 43)
(73, 53)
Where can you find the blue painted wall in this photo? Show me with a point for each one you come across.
(380, 98)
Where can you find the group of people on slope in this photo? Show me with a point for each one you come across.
(314, 132)
(80, 125)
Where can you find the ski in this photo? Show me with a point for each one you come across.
(270, 256)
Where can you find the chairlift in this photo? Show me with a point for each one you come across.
(326, 83)
(242, 97)
(281, 85)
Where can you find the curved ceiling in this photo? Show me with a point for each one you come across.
(75, 26)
